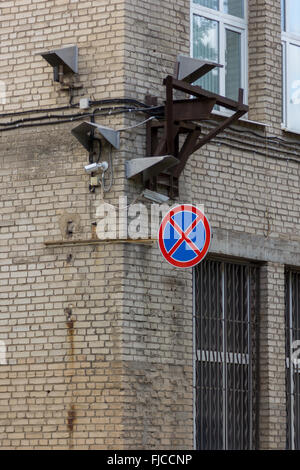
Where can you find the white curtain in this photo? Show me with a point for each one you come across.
(205, 46)
(214, 4)
(234, 7)
(233, 64)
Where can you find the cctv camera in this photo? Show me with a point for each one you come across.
(93, 167)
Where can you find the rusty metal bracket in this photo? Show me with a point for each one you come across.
(182, 117)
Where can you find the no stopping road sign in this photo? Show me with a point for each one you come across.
(184, 236)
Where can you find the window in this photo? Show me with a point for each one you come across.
(226, 309)
(290, 21)
(292, 310)
(219, 34)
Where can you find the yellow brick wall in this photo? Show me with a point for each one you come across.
(29, 28)
(61, 386)
(121, 375)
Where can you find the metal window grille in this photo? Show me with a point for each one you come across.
(292, 311)
(226, 311)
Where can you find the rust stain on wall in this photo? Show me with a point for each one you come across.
(71, 418)
(71, 415)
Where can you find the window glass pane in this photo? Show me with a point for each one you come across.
(233, 64)
(214, 4)
(293, 88)
(205, 46)
(235, 7)
(283, 83)
(283, 15)
(293, 16)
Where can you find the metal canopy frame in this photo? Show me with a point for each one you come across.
(180, 118)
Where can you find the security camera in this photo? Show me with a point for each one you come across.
(93, 167)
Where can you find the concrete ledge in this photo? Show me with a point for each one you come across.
(243, 245)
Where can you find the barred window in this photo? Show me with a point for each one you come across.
(226, 312)
(292, 311)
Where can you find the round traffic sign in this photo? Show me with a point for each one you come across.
(184, 236)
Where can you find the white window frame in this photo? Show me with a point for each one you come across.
(287, 39)
(233, 23)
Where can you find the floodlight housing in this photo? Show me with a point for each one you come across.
(154, 196)
(149, 166)
(189, 69)
(85, 130)
(65, 58)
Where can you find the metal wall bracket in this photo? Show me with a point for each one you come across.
(183, 117)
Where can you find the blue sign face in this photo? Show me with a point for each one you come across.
(184, 236)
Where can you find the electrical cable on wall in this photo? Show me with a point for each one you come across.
(144, 108)
(136, 125)
(59, 119)
(76, 105)
(156, 111)
(111, 171)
